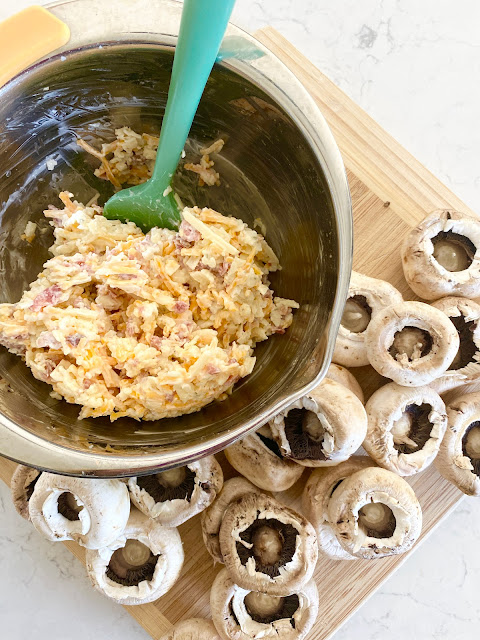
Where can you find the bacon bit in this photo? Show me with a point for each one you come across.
(125, 276)
(212, 369)
(156, 342)
(170, 397)
(131, 329)
(180, 306)
(49, 296)
(281, 330)
(74, 339)
(47, 339)
(189, 233)
(87, 383)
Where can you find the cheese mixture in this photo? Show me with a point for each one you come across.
(145, 325)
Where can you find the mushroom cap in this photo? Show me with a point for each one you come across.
(162, 541)
(211, 518)
(451, 461)
(385, 408)
(316, 496)
(22, 479)
(233, 622)
(343, 376)
(342, 416)
(368, 486)
(424, 274)
(192, 629)
(103, 517)
(468, 310)
(295, 572)
(251, 457)
(350, 350)
(171, 513)
(380, 335)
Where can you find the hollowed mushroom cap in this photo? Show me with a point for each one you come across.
(211, 518)
(441, 256)
(192, 629)
(174, 496)
(346, 378)
(92, 512)
(366, 296)
(465, 368)
(323, 428)
(267, 546)
(145, 576)
(22, 485)
(405, 427)
(317, 493)
(459, 457)
(412, 343)
(240, 616)
(258, 458)
(375, 513)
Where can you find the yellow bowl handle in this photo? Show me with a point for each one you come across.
(26, 37)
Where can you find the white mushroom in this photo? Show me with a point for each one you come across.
(324, 427)
(441, 256)
(192, 629)
(22, 485)
(92, 512)
(465, 368)
(375, 513)
(240, 614)
(411, 343)
(258, 458)
(366, 296)
(459, 457)
(405, 427)
(175, 495)
(141, 565)
(317, 493)
(211, 518)
(344, 376)
(267, 546)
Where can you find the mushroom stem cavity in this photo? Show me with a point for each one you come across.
(264, 608)
(305, 432)
(412, 343)
(471, 445)
(453, 251)
(356, 314)
(270, 543)
(267, 545)
(412, 430)
(173, 484)
(69, 506)
(131, 564)
(377, 520)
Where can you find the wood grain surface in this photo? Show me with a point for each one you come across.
(391, 192)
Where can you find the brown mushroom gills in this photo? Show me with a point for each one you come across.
(356, 314)
(471, 445)
(411, 341)
(265, 609)
(467, 348)
(270, 542)
(132, 564)
(173, 484)
(412, 430)
(68, 506)
(265, 435)
(377, 520)
(453, 251)
(304, 432)
(31, 486)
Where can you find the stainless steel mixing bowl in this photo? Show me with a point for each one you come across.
(280, 164)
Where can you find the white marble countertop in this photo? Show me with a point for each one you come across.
(415, 67)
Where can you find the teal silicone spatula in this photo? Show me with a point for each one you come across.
(202, 27)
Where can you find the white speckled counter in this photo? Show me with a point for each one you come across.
(415, 67)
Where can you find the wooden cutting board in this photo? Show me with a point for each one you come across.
(391, 192)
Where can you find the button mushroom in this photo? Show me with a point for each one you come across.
(344, 376)
(211, 518)
(259, 458)
(22, 485)
(366, 296)
(375, 513)
(411, 343)
(175, 495)
(405, 427)
(324, 427)
(91, 512)
(240, 614)
(316, 496)
(267, 546)
(192, 629)
(441, 257)
(459, 457)
(465, 368)
(140, 565)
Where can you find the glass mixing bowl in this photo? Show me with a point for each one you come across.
(280, 164)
